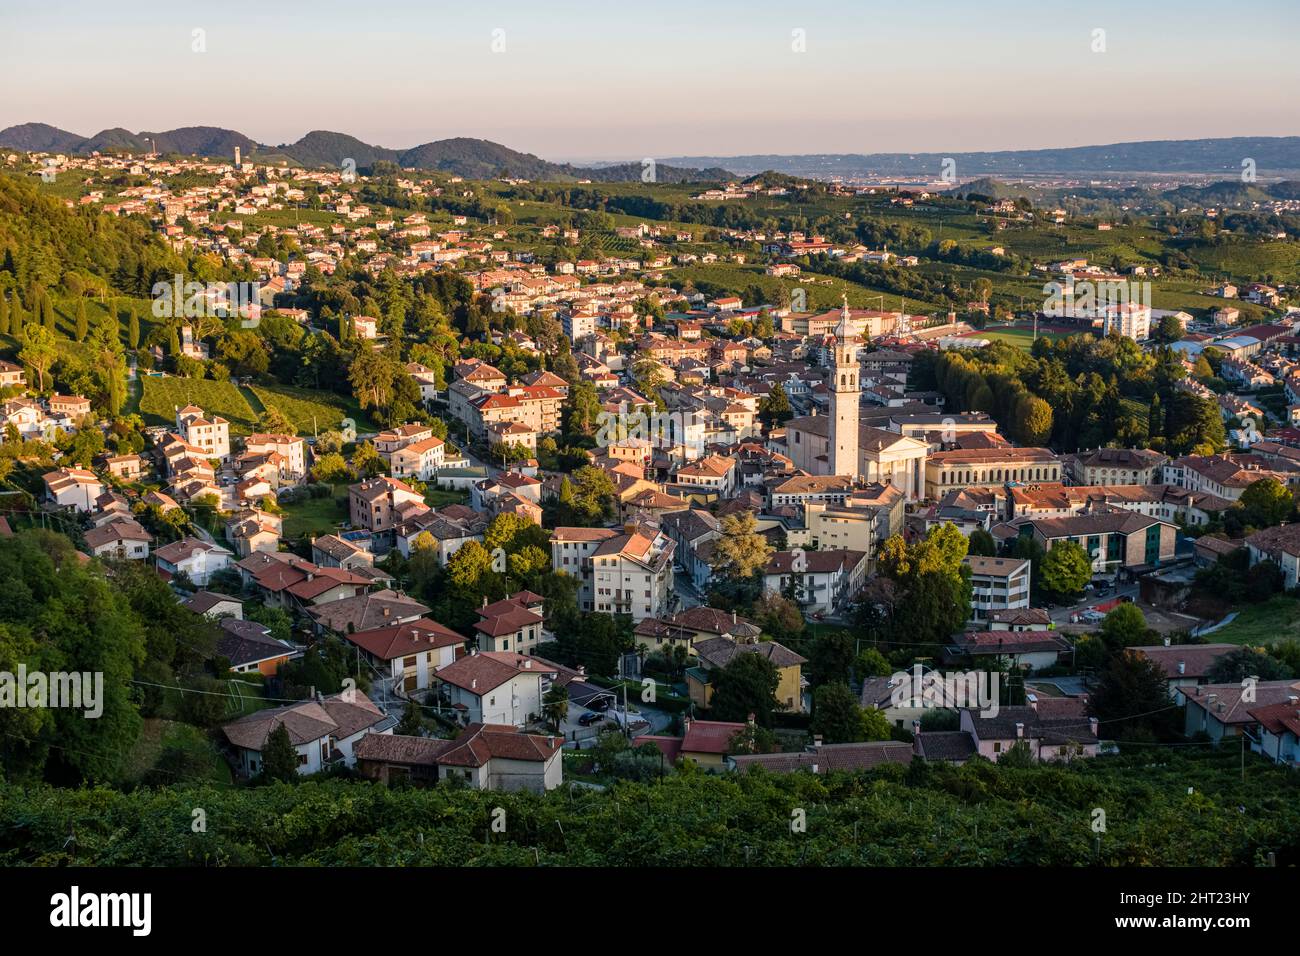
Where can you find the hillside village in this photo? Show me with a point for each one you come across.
(528, 498)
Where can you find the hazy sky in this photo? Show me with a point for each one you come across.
(581, 79)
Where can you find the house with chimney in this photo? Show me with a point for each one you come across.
(1052, 728)
(197, 559)
(1279, 731)
(619, 573)
(1223, 711)
(496, 687)
(209, 433)
(515, 623)
(410, 652)
(1184, 665)
(483, 756)
(322, 730)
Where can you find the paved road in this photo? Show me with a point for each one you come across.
(685, 593)
(1061, 615)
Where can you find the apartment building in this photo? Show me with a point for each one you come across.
(381, 504)
(1116, 466)
(627, 572)
(211, 434)
(997, 584)
(987, 467)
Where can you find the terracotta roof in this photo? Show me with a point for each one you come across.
(479, 743)
(709, 736)
(484, 671)
(1197, 659)
(401, 640)
(306, 721)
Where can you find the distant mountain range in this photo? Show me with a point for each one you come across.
(481, 159)
(1273, 156)
(471, 158)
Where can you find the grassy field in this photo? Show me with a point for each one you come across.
(1277, 619)
(308, 409)
(1022, 338)
(158, 734)
(823, 292)
(315, 516)
(161, 396)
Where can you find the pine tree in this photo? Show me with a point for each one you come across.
(279, 759)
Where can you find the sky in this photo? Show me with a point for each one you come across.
(628, 79)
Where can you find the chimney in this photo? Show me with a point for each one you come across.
(1293, 700)
(817, 741)
(473, 684)
(1166, 640)
(1020, 730)
(1211, 698)
(916, 728)
(1182, 666)
(1093, 725)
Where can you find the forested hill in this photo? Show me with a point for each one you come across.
(461, 156)
(43, 243)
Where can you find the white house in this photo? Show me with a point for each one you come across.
(198, 559)
(74, 488)
(496, 687)
(323, 731)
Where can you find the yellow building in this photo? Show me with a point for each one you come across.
(715, 653)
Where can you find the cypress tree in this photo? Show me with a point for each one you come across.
(83, 324)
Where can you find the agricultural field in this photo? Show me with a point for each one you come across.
(1277, 619)
(162, 396)
(310, 411)
(823, 292)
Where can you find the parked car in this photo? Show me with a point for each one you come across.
(589, 718)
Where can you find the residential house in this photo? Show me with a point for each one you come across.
(411, 652)
(323, 731)
(496, 687)
(197, 559)
(997, 584)
(820, 582)
(484, 756)
(248, 647)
